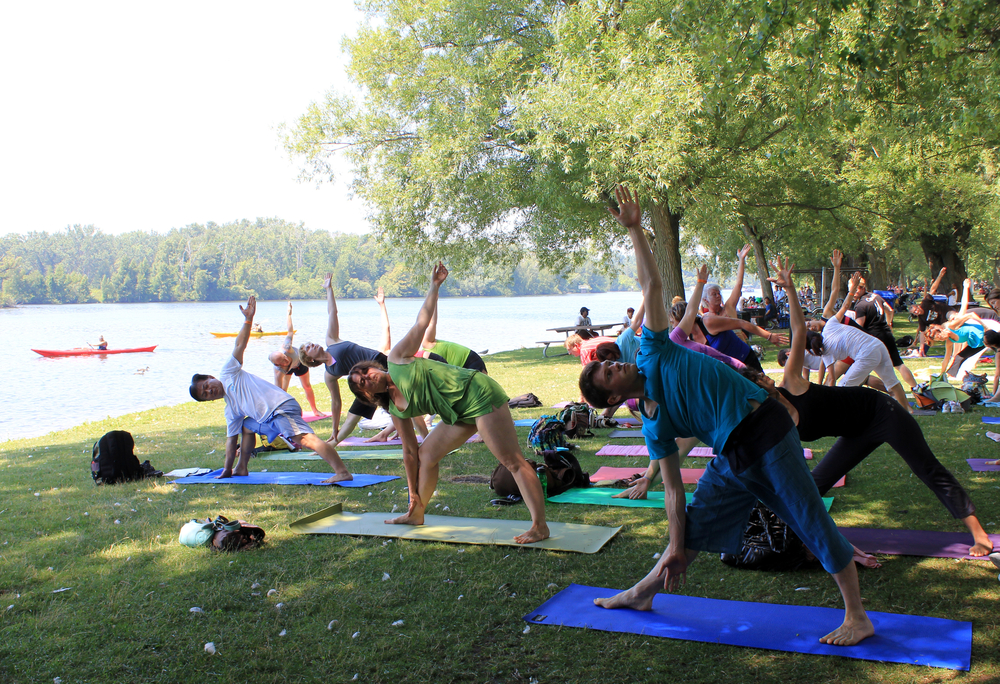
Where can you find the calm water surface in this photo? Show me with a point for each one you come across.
(46, 394)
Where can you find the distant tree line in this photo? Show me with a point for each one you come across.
(268, 258)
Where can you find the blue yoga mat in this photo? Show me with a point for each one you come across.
(991, 420)
(617, 434)
(898, 638)
(524, 422)
(257, 478)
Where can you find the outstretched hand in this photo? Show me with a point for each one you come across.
(250, 309)
(628, 213)
(837, 258)
(855, 281)
(702, 272)
(782, 274)
(328, 281)
(742, 254)
(440, 273)
(380, 296)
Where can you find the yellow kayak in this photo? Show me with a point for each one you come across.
(253, 334)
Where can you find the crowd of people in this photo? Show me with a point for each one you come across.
(687, 370)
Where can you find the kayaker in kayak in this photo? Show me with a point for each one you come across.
(102, 344)
(254, 405)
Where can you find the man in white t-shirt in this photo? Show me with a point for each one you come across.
(255, 405)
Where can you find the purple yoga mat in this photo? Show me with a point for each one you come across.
(641, 450)
(926, 543)
(979, 465)
(360, 441)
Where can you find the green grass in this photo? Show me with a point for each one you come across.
(126, 615)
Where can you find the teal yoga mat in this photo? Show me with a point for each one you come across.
(602, 496)
(388, 454)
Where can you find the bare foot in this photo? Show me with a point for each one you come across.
(632, 598)
(346, 477)
(980, 549)
(408, 519)
(866, 560)
(850, 633)
(224, 474)
(378, 438)
(535, 534)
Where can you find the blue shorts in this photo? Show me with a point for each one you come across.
(721, 505)
(284, 421)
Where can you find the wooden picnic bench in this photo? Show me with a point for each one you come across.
(569, 330)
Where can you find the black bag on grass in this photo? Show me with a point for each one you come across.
(114, 459)
(528, 400)
(770, 544)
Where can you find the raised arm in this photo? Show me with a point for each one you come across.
(408, 347)
(385, 344)
(244, 334)
(937, 281)
(855, 280)
(629, 214)
(691, 311)
(333, 324)
(717, 324)
(430, 335)
(965, 297)
(797, 322)
(734, 297)
(836, 259)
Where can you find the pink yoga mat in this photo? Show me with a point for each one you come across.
(641, 450)
(313, 417)
(688, 475)
(360, 441)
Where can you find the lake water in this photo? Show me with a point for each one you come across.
(46, 394)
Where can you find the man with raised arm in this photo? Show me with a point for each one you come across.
(684, 394)
(339, 356)
(929, 310)
(255, 405)
(286, 364)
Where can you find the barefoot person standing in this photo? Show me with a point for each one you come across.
(467, 401)
(253, 404)
(684, 394)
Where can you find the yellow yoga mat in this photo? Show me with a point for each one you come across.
(455, 530)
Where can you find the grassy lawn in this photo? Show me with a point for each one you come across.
(126, 614)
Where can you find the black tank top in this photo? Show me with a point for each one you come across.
(834, 411)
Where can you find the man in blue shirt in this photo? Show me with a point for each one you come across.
(683, 395)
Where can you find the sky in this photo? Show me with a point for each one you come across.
(152, 116)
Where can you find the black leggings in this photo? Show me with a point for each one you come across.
(894, 426)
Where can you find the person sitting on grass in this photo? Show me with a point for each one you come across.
(252, 405)
(286, 363)
(689, 395)
(466, 400)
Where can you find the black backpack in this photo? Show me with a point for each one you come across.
(528, 400)
(114, 459)
(770, 544)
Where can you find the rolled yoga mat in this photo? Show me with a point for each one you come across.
(641, 450)
(455, 530)
(604, 496)
(979, 465)
(688, 475)
(259, 478)
(386, 454)
(926, 543)
(911, 639)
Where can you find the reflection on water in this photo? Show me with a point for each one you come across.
(46, 394)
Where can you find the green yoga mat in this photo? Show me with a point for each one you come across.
(601, 496)
(388, 454)
(455, 530)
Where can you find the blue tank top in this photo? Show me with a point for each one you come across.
(726, 342)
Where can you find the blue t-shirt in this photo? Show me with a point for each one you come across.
(971, 334)
(346, 354)
(696, 395)
(628, 343)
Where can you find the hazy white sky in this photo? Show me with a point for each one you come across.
(149, 116)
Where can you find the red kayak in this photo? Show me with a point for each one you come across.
(80, 351)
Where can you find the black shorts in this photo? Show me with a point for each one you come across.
(961, 358)
(298, 371)
(889, 341)
(475, 362)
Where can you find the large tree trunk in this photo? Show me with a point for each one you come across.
(757, 242)
(878, 269)
(667, 250)
(943, 251)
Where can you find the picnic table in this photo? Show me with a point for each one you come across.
(570, 329)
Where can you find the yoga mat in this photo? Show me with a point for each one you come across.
(313, 417)
(528, 422)
(257, 478)
(688, 475)
(991, 420)
(926, 543)
(641, 450)
(910, 639)
(977, 464)
(524, 422)
(361, 441)
(387, 454)
(602, 496)
(455, 530)
(622, 434)
(184, 472)
(991, 404)
(924, 412)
